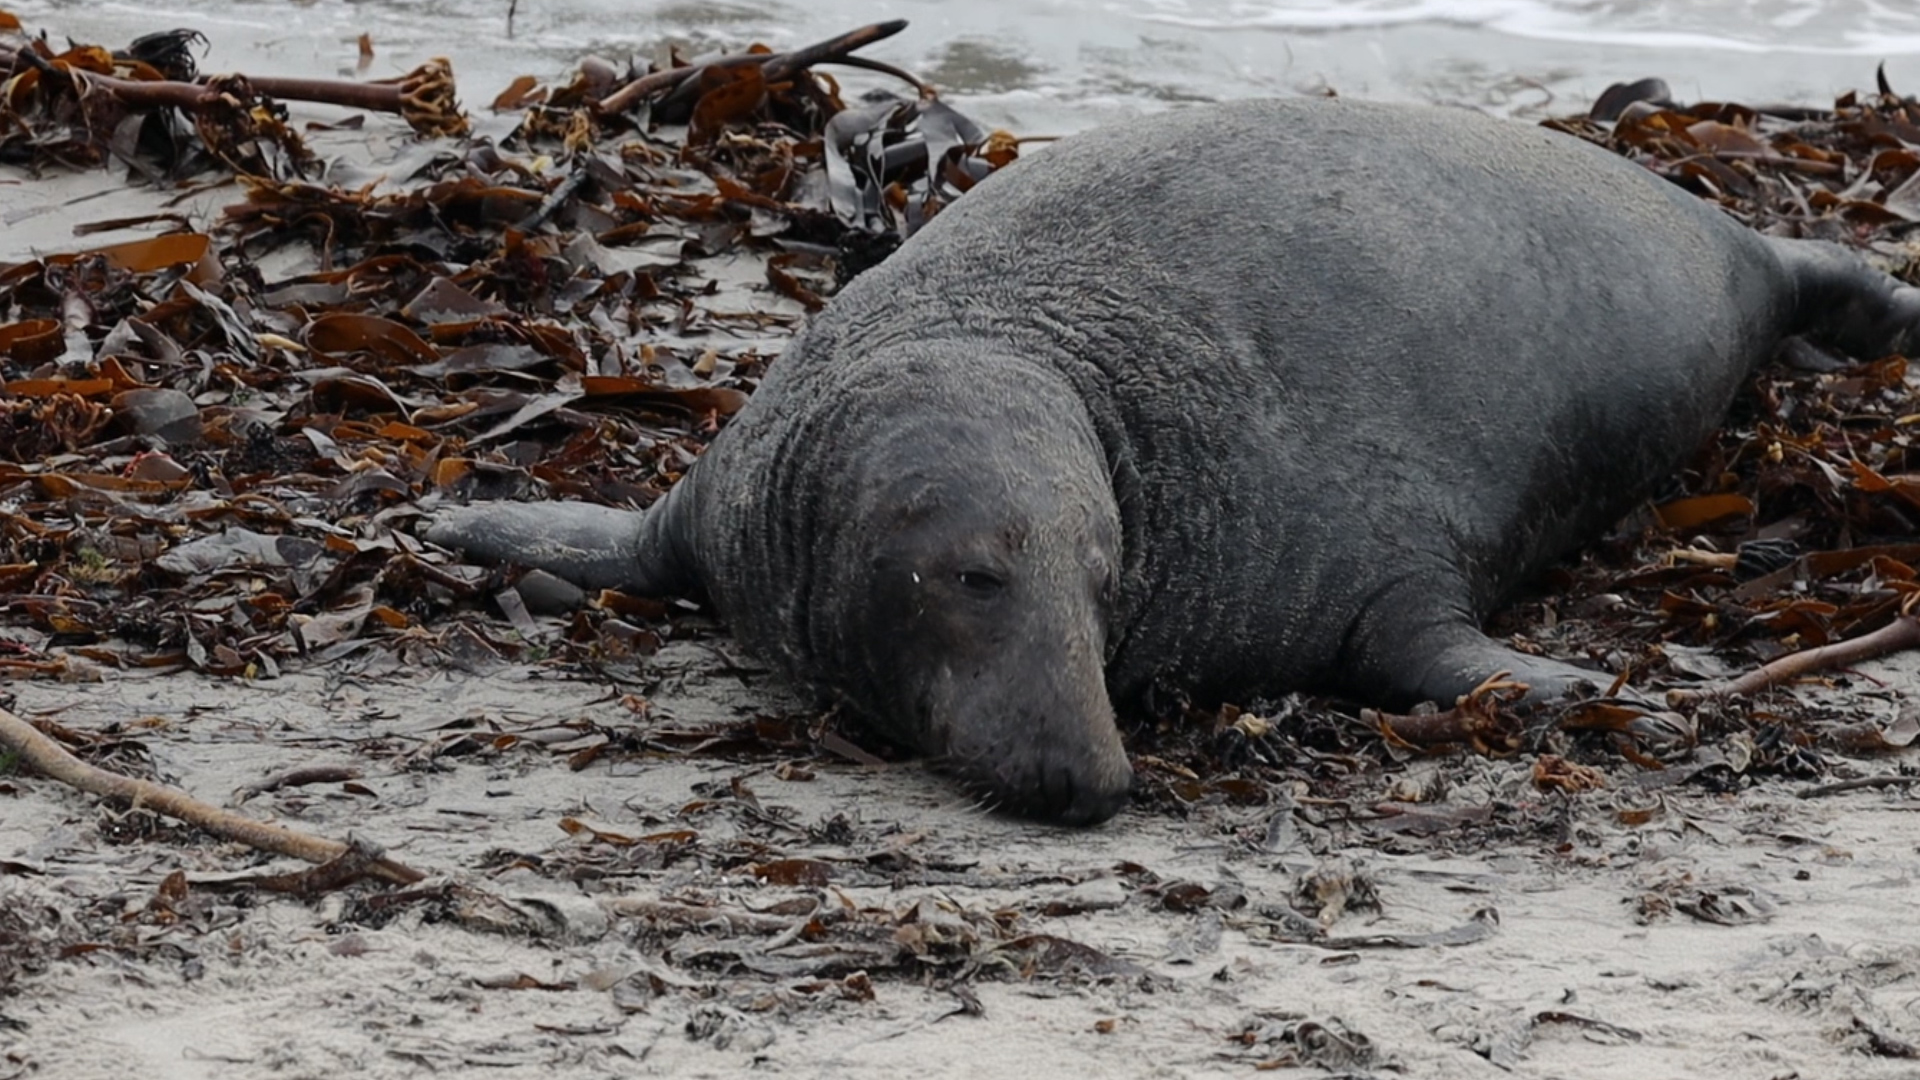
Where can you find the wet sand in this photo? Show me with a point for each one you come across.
(1063, 65)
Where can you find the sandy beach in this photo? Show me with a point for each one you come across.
(609, 895)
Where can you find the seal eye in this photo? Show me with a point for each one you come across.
(982, 583)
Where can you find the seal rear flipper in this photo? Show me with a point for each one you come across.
(595, 547)
(1843, 303)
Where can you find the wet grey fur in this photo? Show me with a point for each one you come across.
(1231, 401)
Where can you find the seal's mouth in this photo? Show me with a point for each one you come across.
(1063, 795)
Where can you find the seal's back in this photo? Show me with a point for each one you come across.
(1342, 354)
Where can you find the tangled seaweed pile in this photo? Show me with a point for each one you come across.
(1847, 174)
(1793, 529)
(210, 465)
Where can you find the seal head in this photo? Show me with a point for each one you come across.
(969, 602)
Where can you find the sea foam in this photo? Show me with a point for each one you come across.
(1833, 27)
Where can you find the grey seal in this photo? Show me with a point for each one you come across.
(1230, 401)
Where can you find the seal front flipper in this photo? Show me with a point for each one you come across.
(595, 547)
(1845, 304)
(1407, 649)
(1441, 670)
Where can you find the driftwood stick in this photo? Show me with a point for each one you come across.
(1858, 783)
(51, 760)
(1456, 725)
(775, 66)
(308, 774)
(424, 97)
(691, 915)
(1900, 634)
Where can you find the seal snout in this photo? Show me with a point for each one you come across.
(1050, 775)
(1091, 782)
(1091, 796)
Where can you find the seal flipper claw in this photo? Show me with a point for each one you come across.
(1404, 662)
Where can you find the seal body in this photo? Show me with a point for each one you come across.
(1230, 401)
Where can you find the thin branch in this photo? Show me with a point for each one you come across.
(1839, 787)
(51, 760)
(1900, 634)
(1478, 717)
(693, 916)
(775, 66)
(1425, 730)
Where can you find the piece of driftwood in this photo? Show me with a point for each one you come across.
(1901, 634)
(774, 66)
(50, 759)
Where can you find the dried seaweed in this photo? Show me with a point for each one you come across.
(212, 469)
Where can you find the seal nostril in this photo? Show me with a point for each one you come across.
(1057, 790)
(1091, 798)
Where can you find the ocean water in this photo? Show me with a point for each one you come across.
(1058, 65)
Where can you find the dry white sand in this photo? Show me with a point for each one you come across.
(1594, 970)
